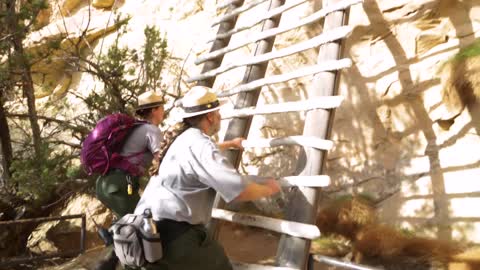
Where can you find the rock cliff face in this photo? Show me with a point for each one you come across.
(408, 130)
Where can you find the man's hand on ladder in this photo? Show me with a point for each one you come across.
(234, 143)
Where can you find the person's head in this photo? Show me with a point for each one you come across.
(150, 107)
(201, 109)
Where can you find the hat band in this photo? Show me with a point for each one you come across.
(150, 105)
(202, 107)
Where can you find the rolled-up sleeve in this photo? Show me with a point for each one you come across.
(215, 171)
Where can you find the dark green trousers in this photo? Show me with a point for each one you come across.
(112, 191)
(193, 250)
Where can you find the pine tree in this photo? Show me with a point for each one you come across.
(19, 17)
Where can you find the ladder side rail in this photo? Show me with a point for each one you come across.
(239, 127)
(294, 251)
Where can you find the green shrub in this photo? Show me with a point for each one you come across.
(35, 179)
(470, 51)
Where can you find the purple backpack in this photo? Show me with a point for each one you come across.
(101, 149)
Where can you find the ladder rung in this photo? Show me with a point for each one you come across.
(329, 65)
(292, 228)
(324, 102)
(246, 266)
(307, 141)
(325, 37)
(279, 30)
(305, 181)
(252, 23)
(342, 264)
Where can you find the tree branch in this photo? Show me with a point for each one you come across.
(65, 123)
(73, 145)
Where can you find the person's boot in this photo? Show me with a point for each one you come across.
(108, 263)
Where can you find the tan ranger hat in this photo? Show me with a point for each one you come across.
(200, 100)
(149, 99)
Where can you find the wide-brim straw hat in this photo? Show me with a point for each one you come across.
(199, 100)
(149, 99)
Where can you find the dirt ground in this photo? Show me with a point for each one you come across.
(241, 243)
(248, 244)
(253, 245)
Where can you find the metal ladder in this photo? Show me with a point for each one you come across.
(297, 229)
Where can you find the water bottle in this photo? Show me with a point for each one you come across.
(152, 247)
(148, 223)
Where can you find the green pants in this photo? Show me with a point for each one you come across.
(112, 191)
(194, 249)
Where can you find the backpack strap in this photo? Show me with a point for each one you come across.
(107, 157)
(122, 162)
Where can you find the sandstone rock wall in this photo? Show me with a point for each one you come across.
(390, 142)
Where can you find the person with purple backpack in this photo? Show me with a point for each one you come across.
(118, 188)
